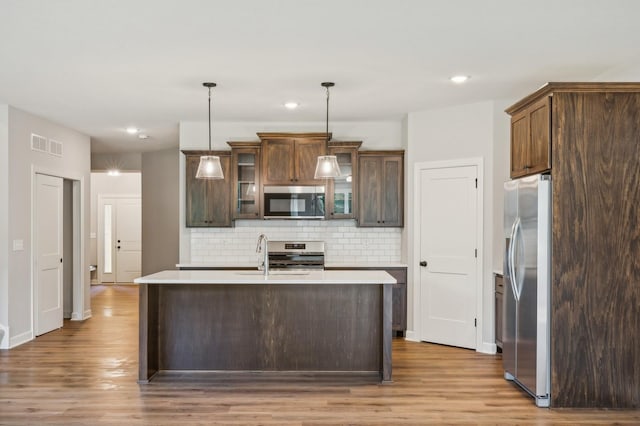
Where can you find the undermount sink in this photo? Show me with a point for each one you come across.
(273, 274)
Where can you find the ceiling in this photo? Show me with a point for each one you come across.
(99, 67)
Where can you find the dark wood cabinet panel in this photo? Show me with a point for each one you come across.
(306, 156)
(531, 139)
(381, 188)
(499, 300)
(208, 201)
(519, 143)
(277, 158)
(595, 315)
(399, 294)
(290, 158)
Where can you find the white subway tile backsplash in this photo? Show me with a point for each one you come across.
(345, 243)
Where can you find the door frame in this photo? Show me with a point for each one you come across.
(100, 236)
(417, 307)
(79, 311)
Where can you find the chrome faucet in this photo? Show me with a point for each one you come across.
(265, 256)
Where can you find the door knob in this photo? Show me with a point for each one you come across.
(423, 263)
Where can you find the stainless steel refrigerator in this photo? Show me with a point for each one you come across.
(527, 230)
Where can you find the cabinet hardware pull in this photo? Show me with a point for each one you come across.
(423, 263)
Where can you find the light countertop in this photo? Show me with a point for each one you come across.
(380, 265)
(257, 277)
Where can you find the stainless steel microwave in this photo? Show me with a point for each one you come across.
(294, 202)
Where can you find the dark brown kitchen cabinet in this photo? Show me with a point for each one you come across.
(499, 296)
(208, 201)
(290, 158)
(531, 139)
(399, 294)
(381, 188)
(245, 163)
(341, 192)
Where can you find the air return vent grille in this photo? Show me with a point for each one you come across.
(39, 143)
(55, 148)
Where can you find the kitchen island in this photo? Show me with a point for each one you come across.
(288, 321)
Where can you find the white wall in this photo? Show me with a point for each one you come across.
(74, 164)
(102, 184)
(4, 226)
(464, 131)
(194, 135)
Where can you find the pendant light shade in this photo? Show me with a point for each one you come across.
(209, 167)
(327, 166)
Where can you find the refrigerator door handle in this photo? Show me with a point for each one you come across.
(512, 255)
(518, 280)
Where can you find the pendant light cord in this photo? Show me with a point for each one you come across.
(209, 118)
(327, 128)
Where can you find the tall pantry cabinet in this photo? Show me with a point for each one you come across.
(594, 141)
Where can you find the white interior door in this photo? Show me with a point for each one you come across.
(128, 239)
(448, 209)
(120, 239)
(49, 242)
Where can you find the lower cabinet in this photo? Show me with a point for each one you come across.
(499, 289)
(399, 315)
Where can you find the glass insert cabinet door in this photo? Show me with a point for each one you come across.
(247, 186)
(342, 188)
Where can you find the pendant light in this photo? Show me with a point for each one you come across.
(209, 167)
(327, 166)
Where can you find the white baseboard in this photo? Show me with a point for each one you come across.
(87, 314)
(411, 336)
(487, 348)
(75, 316)
(25, 337)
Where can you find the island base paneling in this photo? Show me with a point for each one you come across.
(270, 327)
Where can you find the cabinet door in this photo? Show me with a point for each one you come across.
(196, 210)
(540, 136)
(399, 296)
(519, 144)
(341, 192)
(306, 158)
(531, 139)
(498, 310)
(208, 201)
(246, 183)
(369, 190)
(392, 186)
(277, 162)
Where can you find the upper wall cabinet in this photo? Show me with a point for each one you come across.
(208, 202)
(290, 158)
(342, 191)
(245, 162)
(381, 188)
(531, 139)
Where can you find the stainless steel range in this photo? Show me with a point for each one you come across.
(296, 255)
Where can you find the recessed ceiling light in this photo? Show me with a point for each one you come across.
(459, 78)
(143, 136)
(291, 105)
(132, 130)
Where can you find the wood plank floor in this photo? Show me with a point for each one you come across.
(86, 373)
